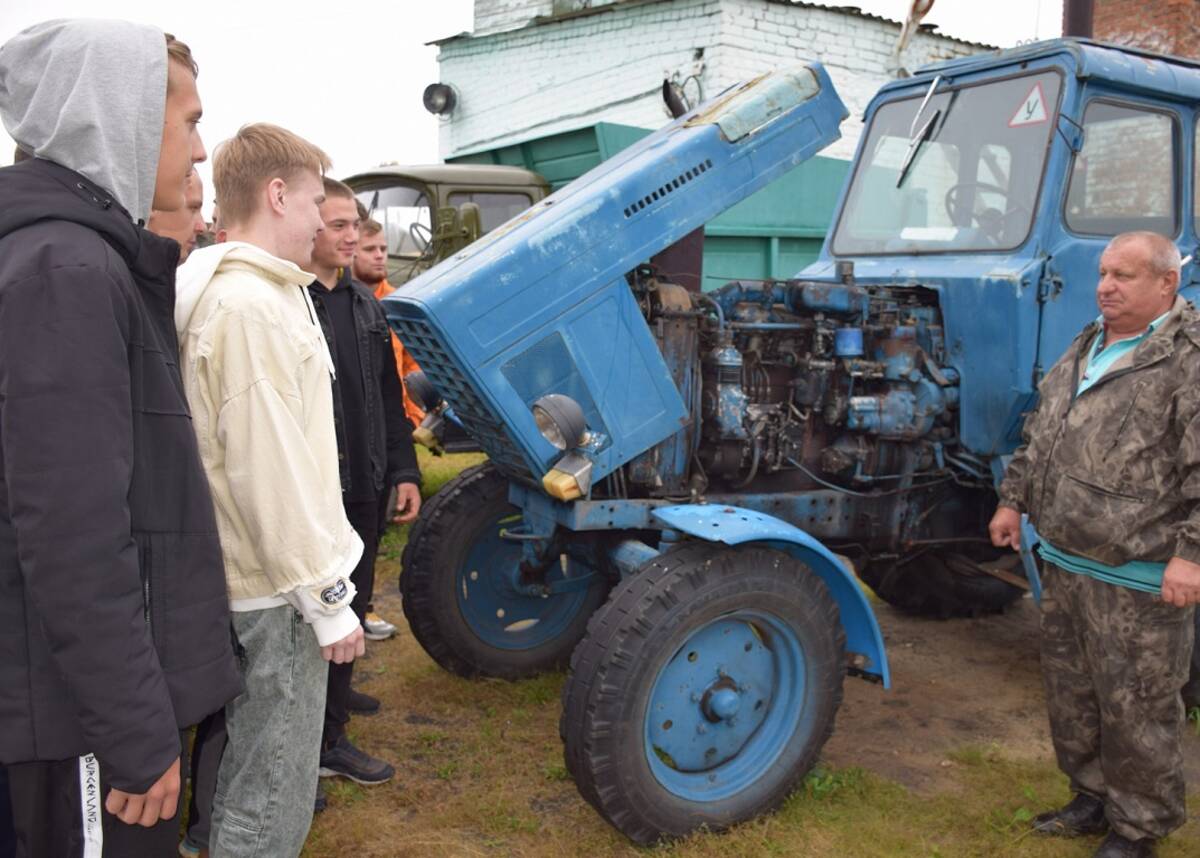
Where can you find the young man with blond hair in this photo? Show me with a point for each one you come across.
(257, 375)
(115, 622)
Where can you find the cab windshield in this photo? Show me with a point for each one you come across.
(961, 174)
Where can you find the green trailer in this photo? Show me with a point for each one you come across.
(773, 233)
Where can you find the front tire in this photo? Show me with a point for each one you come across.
(456, 586)
(704, 690)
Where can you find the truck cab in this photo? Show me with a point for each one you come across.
(430, 211)
(996, 181)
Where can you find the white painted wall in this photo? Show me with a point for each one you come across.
(608, 67)
(493, 16)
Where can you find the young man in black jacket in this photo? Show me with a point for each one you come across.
(375, 448)
(114, 625)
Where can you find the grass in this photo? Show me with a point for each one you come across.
(480, 773)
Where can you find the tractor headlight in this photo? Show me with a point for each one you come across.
(560, 420)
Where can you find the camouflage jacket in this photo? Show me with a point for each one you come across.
(1113, 474)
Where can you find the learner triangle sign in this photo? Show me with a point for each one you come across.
(1032, 110)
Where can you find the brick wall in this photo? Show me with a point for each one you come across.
(570, 74)
(758, 35)
(609, 66)
(1166, 26)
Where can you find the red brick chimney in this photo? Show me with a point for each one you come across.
(1165, 26)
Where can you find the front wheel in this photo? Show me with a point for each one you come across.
(460, 587)
(704, 690)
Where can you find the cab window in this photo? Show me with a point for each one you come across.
(404, 213)
(494, 208)
(1123, 178)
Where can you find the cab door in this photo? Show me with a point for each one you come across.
(1126, 176)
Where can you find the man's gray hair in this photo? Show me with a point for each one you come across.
(1164, 255)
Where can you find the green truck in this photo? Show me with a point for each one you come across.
(430, 212)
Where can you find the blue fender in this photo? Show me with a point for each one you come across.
(735, 526)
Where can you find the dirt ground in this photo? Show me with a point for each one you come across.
(953, 761)
(955, 683)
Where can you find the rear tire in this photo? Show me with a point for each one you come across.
(704, 690)
(456, 587)
(928, 586)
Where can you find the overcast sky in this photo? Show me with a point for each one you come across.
(349, 76)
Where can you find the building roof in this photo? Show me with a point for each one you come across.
(471, 174)
(859, 13)
(854, 11)
(1126, 67)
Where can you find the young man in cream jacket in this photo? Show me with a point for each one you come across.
(256, 371)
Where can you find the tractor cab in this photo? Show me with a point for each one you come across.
(996, 182)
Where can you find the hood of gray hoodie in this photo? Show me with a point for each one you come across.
(90, 95)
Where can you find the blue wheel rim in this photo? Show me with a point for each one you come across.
(497, 613)
(726, 705)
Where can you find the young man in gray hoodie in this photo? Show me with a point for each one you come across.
(114, 621)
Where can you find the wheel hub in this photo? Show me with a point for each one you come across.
(721, 701)
(714, 694)
(504, 613)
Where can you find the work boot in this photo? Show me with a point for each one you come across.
(1191, 693)
(362, 704)
(1116, 846)
(1084, 814)
(344, 760)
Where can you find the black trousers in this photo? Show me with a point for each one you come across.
(8, 837)
(58, 812)
(207, 748)
(365, 518)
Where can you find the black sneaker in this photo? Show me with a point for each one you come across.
(319, 803)
(1083, 815)
(362, 704)
(344, 760)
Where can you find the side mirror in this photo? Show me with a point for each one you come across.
(472, 222)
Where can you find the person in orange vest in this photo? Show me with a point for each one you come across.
(370, 266)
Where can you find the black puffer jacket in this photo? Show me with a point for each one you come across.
(114, 620)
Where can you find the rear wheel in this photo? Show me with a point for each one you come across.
(939, 585)
(704, 690)
(460, 593)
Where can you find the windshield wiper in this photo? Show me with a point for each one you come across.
(916, 139)
(914, 146)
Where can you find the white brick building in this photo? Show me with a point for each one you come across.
(532, 68)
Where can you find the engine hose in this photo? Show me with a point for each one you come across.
(700, 296)
(755, 456)
(847, 491)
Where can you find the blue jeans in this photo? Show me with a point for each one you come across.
(268, 776)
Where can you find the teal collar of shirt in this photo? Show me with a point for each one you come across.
(1101, 358)
(1098, 345)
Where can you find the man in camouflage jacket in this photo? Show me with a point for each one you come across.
(1109, 475)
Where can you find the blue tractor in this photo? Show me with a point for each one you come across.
(676, 481)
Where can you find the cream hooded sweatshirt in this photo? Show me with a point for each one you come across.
(257, 371)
